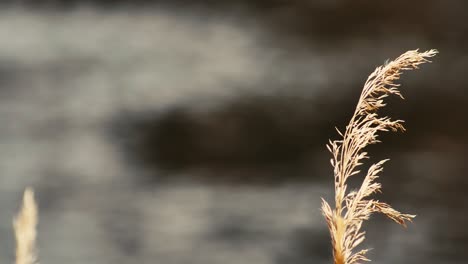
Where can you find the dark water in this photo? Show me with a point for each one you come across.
(195, 133)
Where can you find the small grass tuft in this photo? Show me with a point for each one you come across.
(24, 225)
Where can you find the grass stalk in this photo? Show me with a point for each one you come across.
(353, 207)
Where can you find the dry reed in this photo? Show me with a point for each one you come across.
(352, 208)
(24, 225)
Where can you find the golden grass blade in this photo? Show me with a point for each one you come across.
(24, 225)
(352, 208)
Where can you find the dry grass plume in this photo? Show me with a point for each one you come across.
(353, 207)
(24, 225)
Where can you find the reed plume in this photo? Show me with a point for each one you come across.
(24, 225)
(353, 207)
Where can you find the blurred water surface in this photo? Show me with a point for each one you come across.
(197, 134)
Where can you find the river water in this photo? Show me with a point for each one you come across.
(175, 136)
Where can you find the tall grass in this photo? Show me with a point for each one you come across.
(353, 207)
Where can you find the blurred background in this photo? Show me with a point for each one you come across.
(176, 131)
